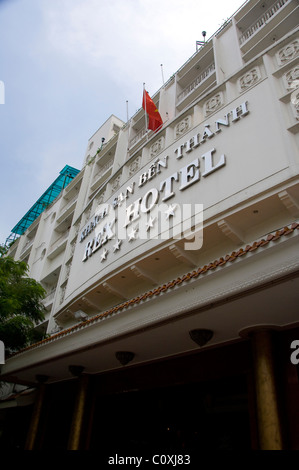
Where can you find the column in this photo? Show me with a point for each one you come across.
(269, 426)
(78, 414)
(35, 419)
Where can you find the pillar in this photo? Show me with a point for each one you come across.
(36, 415)
(78, 414)
(269, 426)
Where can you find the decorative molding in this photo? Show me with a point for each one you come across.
(113, 290)
(182, 127)
(289, 202)
(142, 274)
(295, 103)
(68, 270)
(77, 229)
(291, 79)
(288, 52)
(87, 214)
(89, 303)
(156, 148)
(62, 294)
(73, 247)
(134, 166)
(230, 231)
(100, 199)
(249, 79)
(213, 103)
(115, 184)
(182, 256)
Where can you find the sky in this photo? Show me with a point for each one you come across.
(67, 65)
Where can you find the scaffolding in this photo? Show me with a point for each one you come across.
(65, 177)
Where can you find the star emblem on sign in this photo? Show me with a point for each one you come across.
(150, 223)
(170, 211)
(104, 254)
(132, 234)
(117, 245)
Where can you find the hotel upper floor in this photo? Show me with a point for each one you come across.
(243, 78)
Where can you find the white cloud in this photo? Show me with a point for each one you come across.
(133, 37)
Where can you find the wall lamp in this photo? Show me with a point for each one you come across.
(124, 357)
(76, 371)
(201, 336)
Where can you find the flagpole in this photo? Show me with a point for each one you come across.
(162, 74)
(129, 122)
(129, 136)
(145, 111)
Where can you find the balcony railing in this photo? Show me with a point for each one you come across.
(27, 246)
(103, 169)
(68, 205)
(49, 297)
(138, 137)
(262, 20)
(197, 82)
(60, 240)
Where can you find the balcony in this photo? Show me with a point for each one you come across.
(262, 20)
(59, 245)
(102, 174)
(26, 249)
(138, 137)
(48, 300)
(259, 31)
(67, 209)
(201, 83)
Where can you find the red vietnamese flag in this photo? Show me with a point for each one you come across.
(154, 119)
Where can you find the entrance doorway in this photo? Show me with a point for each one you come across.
(211, 415)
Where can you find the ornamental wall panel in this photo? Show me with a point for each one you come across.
(249, 79)
(182, 126)
(214, 103)
(295, 104)
(134, 166)
(156, 148)
(288, 53)
(291, 79)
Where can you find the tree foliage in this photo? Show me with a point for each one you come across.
(3, 250)
(21, 305)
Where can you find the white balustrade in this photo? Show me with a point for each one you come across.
(262, 20)
(198, 81)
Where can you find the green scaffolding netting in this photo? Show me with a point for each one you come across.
(65, 177)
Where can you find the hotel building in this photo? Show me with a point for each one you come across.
(171, 264)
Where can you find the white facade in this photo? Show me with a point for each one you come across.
(228, 152)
